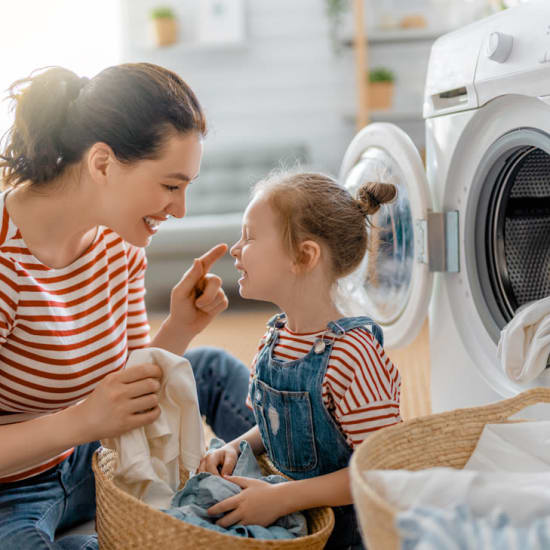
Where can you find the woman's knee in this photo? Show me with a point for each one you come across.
(215, 364)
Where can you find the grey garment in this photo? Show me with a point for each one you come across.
(204, 490)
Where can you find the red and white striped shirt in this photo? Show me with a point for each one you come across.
(361, 387)
(63, 330)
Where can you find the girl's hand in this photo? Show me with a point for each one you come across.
(198, 297)
(259, 503)
(122, 401)
(225, 458)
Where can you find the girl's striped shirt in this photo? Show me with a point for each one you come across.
(63, 330)
(361, 387)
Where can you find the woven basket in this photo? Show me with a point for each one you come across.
(124, 522)
(445, 439)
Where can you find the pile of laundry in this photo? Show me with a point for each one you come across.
(149, 458)
(500, 500)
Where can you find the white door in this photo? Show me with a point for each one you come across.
(393, 284)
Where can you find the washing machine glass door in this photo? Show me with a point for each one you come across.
(391, 285)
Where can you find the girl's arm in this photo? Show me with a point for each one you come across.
(223, 460)
(332, 489)
(262, 503)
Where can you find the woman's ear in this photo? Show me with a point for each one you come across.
(309, 256)
(100, 157)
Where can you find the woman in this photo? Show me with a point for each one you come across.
(91, 168)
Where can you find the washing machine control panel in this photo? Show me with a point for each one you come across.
(499, 46)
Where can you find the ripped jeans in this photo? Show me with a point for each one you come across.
(32, 510)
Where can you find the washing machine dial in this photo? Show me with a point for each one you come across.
(499, 46)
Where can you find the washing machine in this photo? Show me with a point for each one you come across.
(468, 240)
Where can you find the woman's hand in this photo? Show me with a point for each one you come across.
(122, 401)
(259, 503)
(221, 461)
(199, 296)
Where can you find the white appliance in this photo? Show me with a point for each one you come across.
(469, 237)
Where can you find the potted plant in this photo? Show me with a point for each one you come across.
(165, 27)
(381, 82)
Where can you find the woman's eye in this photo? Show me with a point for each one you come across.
(172, 187)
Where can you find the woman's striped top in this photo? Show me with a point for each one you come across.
(361, 387)
(62, 330)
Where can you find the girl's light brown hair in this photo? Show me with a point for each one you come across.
(314, 206)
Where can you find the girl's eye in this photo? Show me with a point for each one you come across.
(172, 187)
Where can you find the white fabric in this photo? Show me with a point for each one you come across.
(148, 457)
(519, 447)
(524, 345)
(523, 497)
(512, 475)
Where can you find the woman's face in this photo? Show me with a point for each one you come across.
(141, 195)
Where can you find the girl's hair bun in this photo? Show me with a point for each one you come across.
(372, 195)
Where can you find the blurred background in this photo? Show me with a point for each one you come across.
(283, 84)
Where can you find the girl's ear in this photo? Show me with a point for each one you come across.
(309, 255)
(100, 156)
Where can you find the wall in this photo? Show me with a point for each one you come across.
(284, 84)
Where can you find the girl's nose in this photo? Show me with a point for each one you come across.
(234, 249)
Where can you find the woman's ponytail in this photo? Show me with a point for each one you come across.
(33, 149)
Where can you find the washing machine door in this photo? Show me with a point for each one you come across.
(393, 285)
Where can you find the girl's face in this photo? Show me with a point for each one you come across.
(267, 268)
(141, 195)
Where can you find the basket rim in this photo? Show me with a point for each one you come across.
(176, 522)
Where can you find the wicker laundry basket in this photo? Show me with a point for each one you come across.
(445, 439)
(124, 522)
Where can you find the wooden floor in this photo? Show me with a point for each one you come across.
(239, 330)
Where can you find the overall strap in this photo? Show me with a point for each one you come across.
(277, 321)
(346, 324)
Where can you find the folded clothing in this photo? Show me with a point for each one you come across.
(203, 490)
(148, 457)
(524, 345)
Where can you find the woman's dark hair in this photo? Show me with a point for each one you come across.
(58, 116)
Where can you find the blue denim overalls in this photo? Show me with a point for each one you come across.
(301, 437)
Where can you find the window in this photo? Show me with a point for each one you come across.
(83, 36)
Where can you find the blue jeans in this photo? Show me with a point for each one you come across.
(32, 510)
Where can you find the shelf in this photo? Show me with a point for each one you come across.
(192, 47)
(401, 35)
(389, 116)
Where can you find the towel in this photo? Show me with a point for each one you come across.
(524, 345)
(148, 457)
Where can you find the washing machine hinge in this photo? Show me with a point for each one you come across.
(437, 241)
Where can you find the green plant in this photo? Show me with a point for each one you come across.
(163, 12)
(335, 10)
(381, 74)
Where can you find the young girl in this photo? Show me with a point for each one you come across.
(320, 383)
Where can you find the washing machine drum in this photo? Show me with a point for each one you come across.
(512, 235)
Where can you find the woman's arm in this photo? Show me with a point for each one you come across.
(123, 400)
(194, 302)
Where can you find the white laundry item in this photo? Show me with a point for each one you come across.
(518, 447)
(508, 471)
(523, 497)
(524, 345)
(148, 457)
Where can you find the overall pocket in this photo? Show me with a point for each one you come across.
(285, 421)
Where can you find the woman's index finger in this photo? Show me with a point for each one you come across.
(209, 258)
